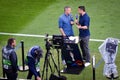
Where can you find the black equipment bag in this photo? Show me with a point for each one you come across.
(54, 77)
(74, 49)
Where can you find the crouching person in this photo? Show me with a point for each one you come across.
(32, 60)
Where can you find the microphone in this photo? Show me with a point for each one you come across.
(76, 16)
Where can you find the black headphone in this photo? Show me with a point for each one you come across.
(38, 53)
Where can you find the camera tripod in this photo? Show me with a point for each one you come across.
(47, 64)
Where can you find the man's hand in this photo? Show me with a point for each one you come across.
(38, 78)
(76, 22)
(79, 26)
(64, 35)
(72, 22)
(62, 32)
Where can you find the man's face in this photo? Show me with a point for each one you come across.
(14, 43)
(68, 10)
(80, 11)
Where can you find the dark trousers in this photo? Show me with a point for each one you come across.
(10, 74)
(30, 74)
(84, 45)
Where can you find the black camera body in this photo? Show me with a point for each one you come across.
(57, 41)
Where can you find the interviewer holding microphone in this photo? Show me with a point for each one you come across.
(83, 25)
(65, 23)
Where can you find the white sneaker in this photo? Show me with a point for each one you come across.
(87, 64)
(108, 76)
(116, 75)
(63, 62)
(62, 71)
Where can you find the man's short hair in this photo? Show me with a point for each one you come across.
(66, 7)
(82, 8)
(10, 41)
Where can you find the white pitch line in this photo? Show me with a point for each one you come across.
(41, 36)
(97, 40)
(23, 35)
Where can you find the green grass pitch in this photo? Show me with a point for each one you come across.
(41, 17)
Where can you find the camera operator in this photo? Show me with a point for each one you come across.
(65, 24)
(32, 60)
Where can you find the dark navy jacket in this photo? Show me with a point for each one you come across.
(12, 57)
(32, 67)
(32, 60)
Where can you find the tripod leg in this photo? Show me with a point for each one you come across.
(54, 63)
(50, 66)
(47, 69)
(43, 71)
(44, 66)
(58, 62)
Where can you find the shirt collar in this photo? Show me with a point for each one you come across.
(10, 47)
(83, 15)
(66, 15)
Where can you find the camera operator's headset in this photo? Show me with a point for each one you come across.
(37, 51)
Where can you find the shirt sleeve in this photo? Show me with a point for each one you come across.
(31, 64)
(72, 19)
(13, 58)
(60, 23)
(87, 21)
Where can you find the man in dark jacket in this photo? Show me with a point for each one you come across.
(10, 59)
(33, 59)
